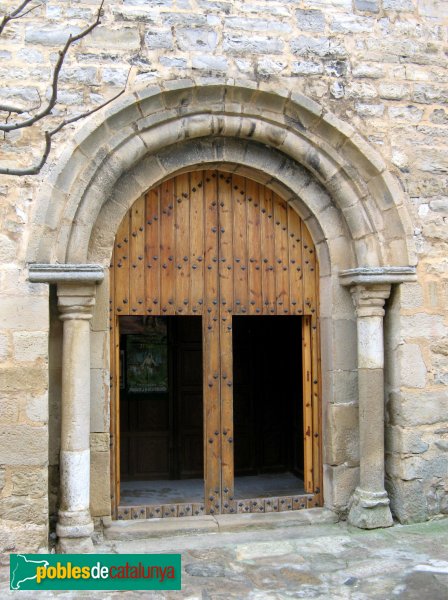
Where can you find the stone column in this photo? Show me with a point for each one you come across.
(370, 503)
(75, 526)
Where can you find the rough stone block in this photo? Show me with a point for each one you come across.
(413, 370)
(235, 44)
(4, 346)
(340, 483)
(367, 5)
(100, 484)
(422, 325)
(310, 20)
(23, 445)
(37, 408)
(30, 345)
(417, 408)
(404, 441)
(345, 344)
(342, 443)
(50, 36)
(24, 509)
(24, 313)
(344, 23)
(209, 63)
(100, 442)
(30, 482)
(399, 5)
(159, 39)
(15, 378)
(99, 393)
(257, 25)
(124, 38)
(197, 39)
(411, 295)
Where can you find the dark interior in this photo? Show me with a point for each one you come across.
(161, 398)
(268, 424)
(161, 407)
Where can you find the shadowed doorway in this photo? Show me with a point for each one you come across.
(161, 409)
(268, 400)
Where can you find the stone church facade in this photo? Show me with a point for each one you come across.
(339, 107)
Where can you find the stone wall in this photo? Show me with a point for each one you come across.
(378, 65)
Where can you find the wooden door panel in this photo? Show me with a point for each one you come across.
(150, 455)
(216, 244)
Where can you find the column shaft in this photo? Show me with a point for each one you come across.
(75, 524)
(370, 504)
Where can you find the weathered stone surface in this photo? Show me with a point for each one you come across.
(413, 368)
(377, 66)
(100, 490)
(23, 445)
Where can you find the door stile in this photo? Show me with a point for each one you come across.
(211, 331)
(307, 405)
(115, 422)
(227, 267)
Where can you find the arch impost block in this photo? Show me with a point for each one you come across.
(377, 275)
(65, 273)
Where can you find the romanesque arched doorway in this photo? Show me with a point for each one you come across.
(214, 304)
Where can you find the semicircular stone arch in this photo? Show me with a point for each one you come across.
(338, 183)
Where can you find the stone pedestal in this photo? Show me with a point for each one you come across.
(75, 526)
(370, 503)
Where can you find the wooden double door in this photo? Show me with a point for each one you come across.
(221, 247)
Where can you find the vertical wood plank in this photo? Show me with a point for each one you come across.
(307, 404)
(295, 262)
(211, 358)
(226, 249)
(309, 272)
(254, 248)
(182, 244)
(240, 291)
(114, 438)
(197, 242)
(227, 269)
(166, 304)
(152, 251)
(137, 255)
(317, 405)
(122, 267)
(267, 252)
(281, 255)
(116, 397)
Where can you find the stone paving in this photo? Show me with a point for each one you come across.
(332, 561)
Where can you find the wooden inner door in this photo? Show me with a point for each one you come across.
(161, 398)
(217, 245)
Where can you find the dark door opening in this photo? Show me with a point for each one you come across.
(161, 410)
(268, 414)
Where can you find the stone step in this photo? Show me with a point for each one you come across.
(161, 528)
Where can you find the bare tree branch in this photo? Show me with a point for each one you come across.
(48, 138)
(17, 14)
(6, 127)
(12, 109)
(54, 93)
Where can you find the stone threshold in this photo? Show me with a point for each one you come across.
(208, 524)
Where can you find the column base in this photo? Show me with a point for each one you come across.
(370, 510)
(81, 545)
(74, 531)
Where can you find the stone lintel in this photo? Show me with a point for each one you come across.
(377, 275)
(65, 273)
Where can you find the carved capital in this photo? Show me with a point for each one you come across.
(76, 301)
(369, 299)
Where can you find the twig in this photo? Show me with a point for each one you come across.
(17, 14)
(48, 138)
(54, 93)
